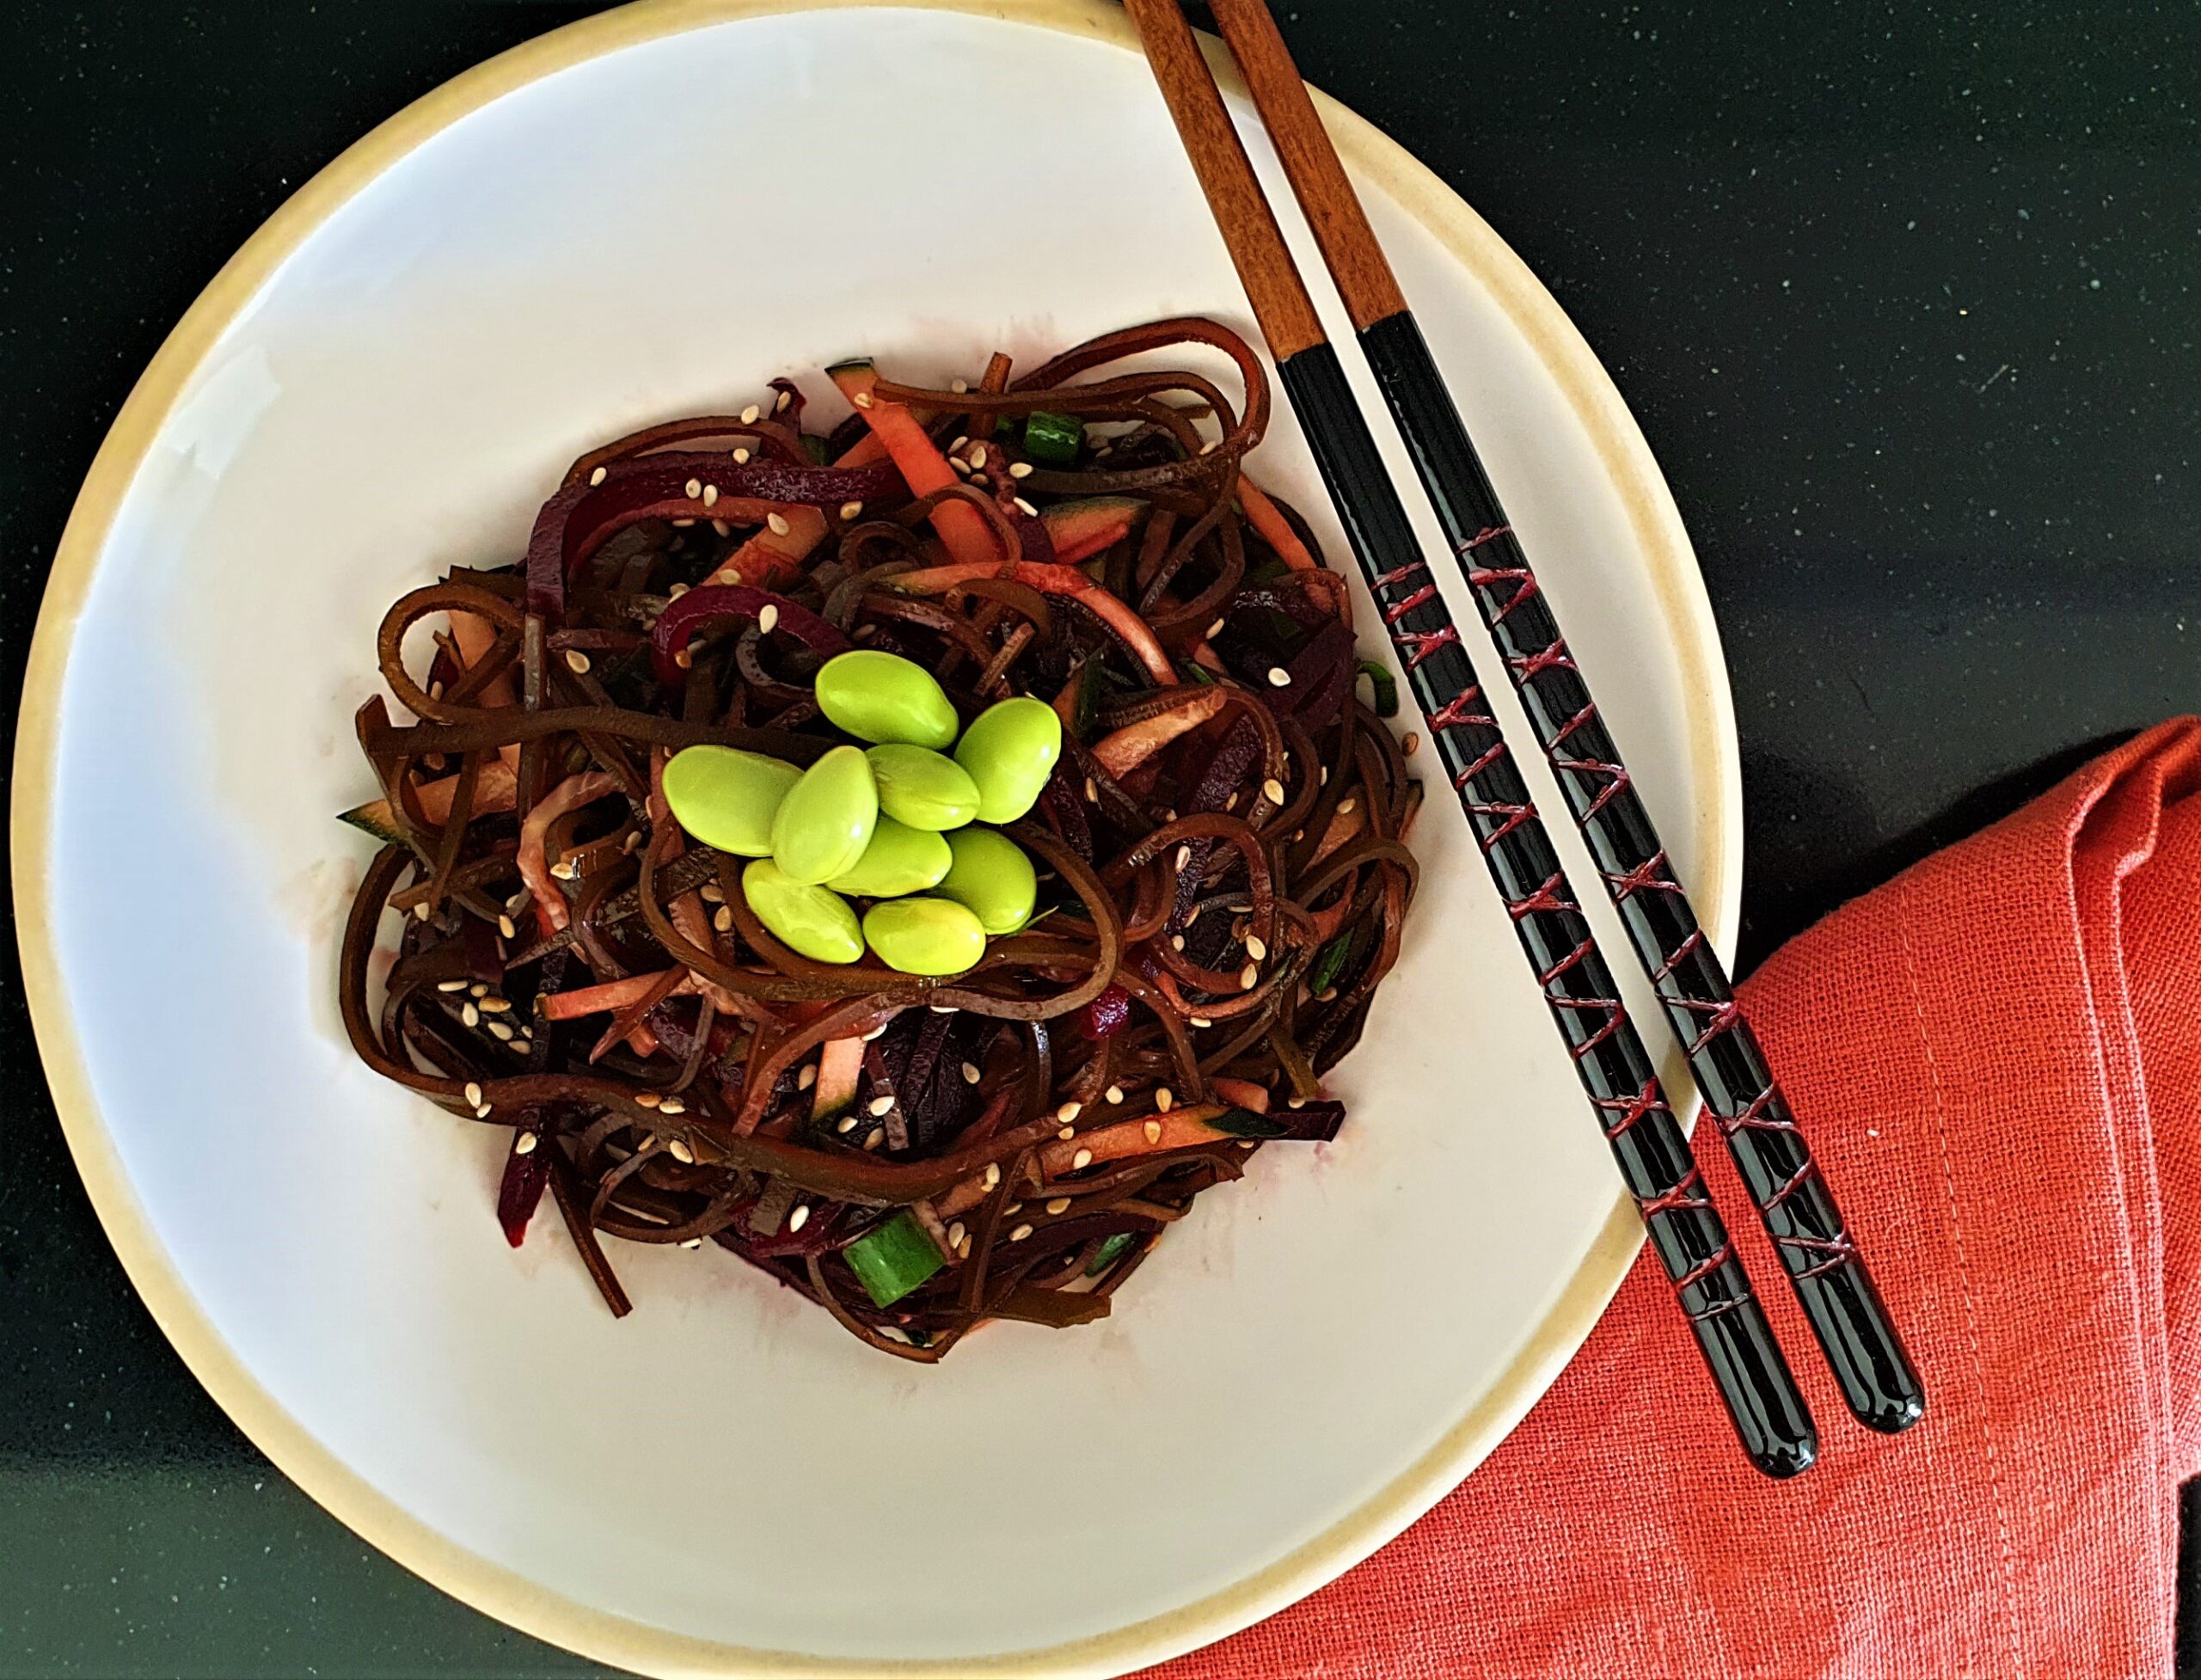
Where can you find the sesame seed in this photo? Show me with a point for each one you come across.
(1162, 1100)
(672, 1105)
(712, 893)
(1019, 1234)
(780, 406)
(693, 1242)
(482, 1112)
(1176, 941)
(778, 523)
(1346, 805)
(711, 497)
(561, 870)
(1215, 629)
(680, 589)
(524, 1143)
(648, 1099)
(1326, 995)
(473, 1093)
(1280, 677)
(1153, 1130)
(1410, 745)
(978, 456)
(749, 415)
(1184, 856)
(723, 529)
(993, 1174)
(971, 1074)
(499, 1031)
(694, 488)
(1082, 1158)
(1114, 1094)
(1027, 509)
(1246, 1142)
(769, 617)
(808, 1078)
(1255, 947)
(450, 985)
(1069, 1112)
(1210, 446)
(599, 475)
(1066, 1134)
(681, 1152)
(723, 920)
(1296, 1102)
(1202, 1020)
(849, 509)
(576, 661)
(941, 1009)
(1273, 791)
(648, 1142)
(507, 927)
(1249, 977)
(881, 1105)
(961, 439)
(958, 386)
(741, 457)
(1058, 1205)
(421, 912)
(863, 399)
(874, 1032)
(847, 1123)
(980, 478)
(1092, 790)
(956, 1235)
(962, 466)
(878, 1136)
(470, 1015)
(1019, 469)
(799, 1218)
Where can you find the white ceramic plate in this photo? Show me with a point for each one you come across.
(648, 215)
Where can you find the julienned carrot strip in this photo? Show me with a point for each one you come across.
(768, 557)
(1180, 1129)
(1051, 580)
(1275, 529)
(1135, 743)
(969, 538)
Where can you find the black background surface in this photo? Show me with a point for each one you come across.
(1901, 294)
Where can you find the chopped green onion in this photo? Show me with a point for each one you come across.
(1386, 686)
(1329, 963)
(1105, 1255)
(1198, 673)
(893, 1259)
(1054, 438)
(817, 449)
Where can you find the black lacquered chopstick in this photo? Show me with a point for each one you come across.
(1652, 1150)
(1877, 1379)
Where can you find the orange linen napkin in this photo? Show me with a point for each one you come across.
(1998, 1059)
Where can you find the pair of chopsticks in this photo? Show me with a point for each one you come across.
(1797, 1210)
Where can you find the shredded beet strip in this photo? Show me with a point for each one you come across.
(1224, 875)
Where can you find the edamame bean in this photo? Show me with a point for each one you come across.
(923, 789)
(1010, 750)
(991, 877)
(807, 920)
(825, 821)
(925, 935)
(899, 860)
(727, 798)
(878, 696)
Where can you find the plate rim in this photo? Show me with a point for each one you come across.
(488, 1587)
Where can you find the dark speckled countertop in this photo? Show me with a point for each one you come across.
(1903, 295)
